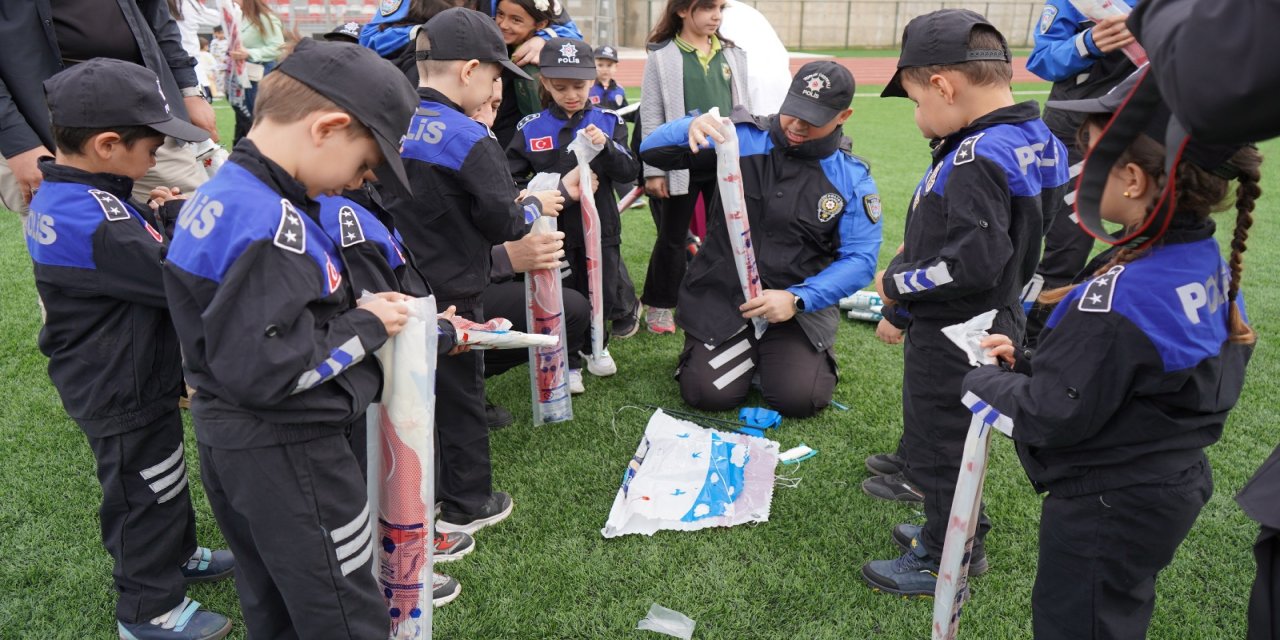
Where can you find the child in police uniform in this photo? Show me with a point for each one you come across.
(281, 353)
(1134, 376)
(605, 92)
(461, 204)
(540, 145)
(113, 355)
(815, 228)
(971, 243)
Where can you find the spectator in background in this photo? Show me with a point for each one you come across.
(218, 49)
(42, 37)
(261, 43)
(205, 65)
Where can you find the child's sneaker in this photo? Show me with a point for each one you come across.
(496, 417)
(600, 365)
(914, 573)
(207, 565)
(183, 622)
(494, 511)
(907, 536)
(885, 464)
(894, 488)
(660, 320)
(452, 546)
(575, 382)
(444, 589)
(624, 328)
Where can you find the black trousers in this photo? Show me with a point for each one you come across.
(148, 525)
(507, 300)
(464, 476)
(667, 262)
(935, 422)
(796, 379)
(619, 291)
(1264, 600)
(297, 518)
(1100, 553)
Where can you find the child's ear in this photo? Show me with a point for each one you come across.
(1136, 181)
(942, 84)
(467, 71)
(103, 145)
(329, 124)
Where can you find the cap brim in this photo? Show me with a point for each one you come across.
(391, 172)
(511, 66)
(894, 89)
(807, 110)
(568, 73)
(180, 129)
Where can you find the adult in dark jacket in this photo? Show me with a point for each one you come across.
(42, 37)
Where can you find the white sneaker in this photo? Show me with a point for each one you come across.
(601, 365)
(575, 382)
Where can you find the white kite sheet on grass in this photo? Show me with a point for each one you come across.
(685, 477)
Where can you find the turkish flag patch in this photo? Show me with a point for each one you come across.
(154, 234)
(335, 278)
(545, 143)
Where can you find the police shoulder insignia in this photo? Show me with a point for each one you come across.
(112, 207)
(966, 151)
(389, 7)
(352, 232)
(828, 206)
(871, 206)
(527, 119)
(1046, 18)
(1097, 296)
(291, 234)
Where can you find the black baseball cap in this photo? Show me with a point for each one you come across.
(105, 92)
(941, 37)
(371, 89)
(567, 58)
(345, 32)
(464, 34)
(819, 92)
(607, 53)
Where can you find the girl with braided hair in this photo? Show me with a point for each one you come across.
(1133, 377)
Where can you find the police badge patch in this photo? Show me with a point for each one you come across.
(871, 205)
(389, 7)
(1046, 18)
(828, 206)
(291, 234)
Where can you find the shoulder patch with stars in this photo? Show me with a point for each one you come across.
(871, 205)
(966, 152)
(527, 119)
(1097, 297)
(291, 234)
(828, 206)
(352, 232)
(112, 207)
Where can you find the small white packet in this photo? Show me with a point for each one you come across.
(968, 336)
(667, 621)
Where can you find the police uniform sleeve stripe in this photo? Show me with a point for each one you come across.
(349, 353)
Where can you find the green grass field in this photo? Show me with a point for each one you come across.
(548, 573)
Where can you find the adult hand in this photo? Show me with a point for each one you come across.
(656, 187)
(238, 54)
(703, 127)
(201, 114)
(160, 195)
(887, 333)
(390, 308)
(774, 305)
(595, 135)
(26, 171)
(1111, 33)
(536, 251)
(998, 348)
(527, 52)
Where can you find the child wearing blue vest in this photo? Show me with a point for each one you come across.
(113, 355)
(606, 93)
(541, 145)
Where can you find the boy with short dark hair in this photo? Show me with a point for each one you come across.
(972, 242)
(113, 355)
(462, 203)
(278, 348)
(605, 92)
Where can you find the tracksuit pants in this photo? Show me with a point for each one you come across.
(667, 262)
(148, 525)
(464, 472)
(297, 518)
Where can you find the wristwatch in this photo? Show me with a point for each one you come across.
(192, 92)
(799, 303)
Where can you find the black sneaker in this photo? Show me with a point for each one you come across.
(494, 511)
(623, 328)
(444, 589)
(914, 573)
(184, 622)
(885, 464)
(894, 488)
(496, 417)
(906, 536)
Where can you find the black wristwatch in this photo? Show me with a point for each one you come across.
(799, 303)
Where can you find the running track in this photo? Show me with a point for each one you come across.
(866, 71)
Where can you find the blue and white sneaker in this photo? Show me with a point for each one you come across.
(907, 536)
(183, 622)
(207, 565)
